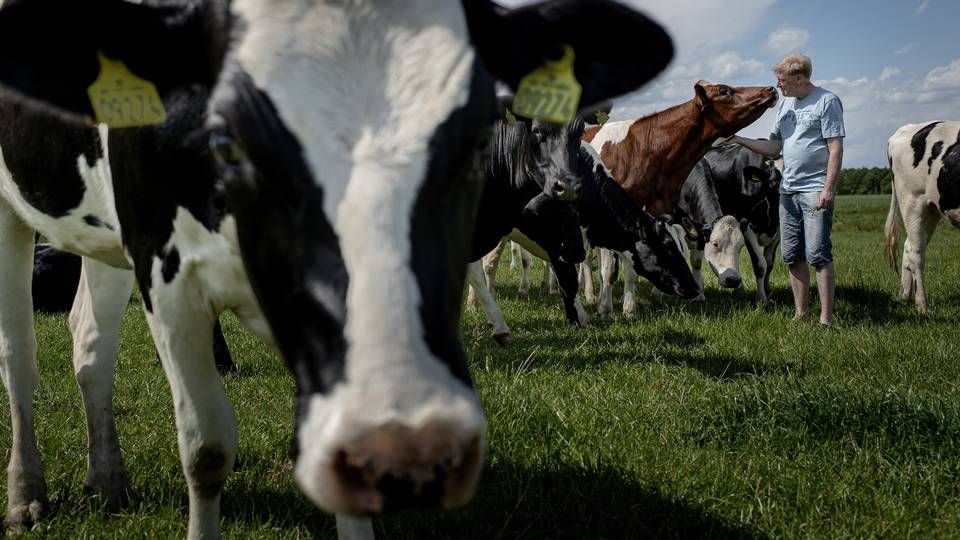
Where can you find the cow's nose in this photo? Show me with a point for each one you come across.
(396, 467)
(732, 282)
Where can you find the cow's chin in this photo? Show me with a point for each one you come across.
(361, 469)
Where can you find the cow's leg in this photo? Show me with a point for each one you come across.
(548, 285)
(182, 328)
(769, 253)
(608, 274)
(629, 287)
(696, 267)
(475, 278)
(758, 261)
(569, 290)
(102, 297)
(354, 528)
(26, 487)
(490, 263)
(526, 261)
(919, 232)
(586, 275)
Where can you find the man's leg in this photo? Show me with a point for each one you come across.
(800, 284)
(826, 278)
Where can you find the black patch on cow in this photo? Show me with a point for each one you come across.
(919, 142)
(290, 250)
(156, 171)
(948, 181)
(171, 264)
(41, 152)
(94, 221)
(443, 220)
(934, 153)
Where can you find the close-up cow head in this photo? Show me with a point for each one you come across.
(729, 109)
(658, 256)
(348, 138)
(723, 241)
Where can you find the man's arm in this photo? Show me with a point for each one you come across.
(835, 148)
(770, 148)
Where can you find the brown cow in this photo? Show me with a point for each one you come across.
(652, 156)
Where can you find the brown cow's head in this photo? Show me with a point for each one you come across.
(729, 109)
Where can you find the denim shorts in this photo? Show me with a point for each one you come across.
(804, 230)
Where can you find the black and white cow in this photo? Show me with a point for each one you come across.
(729, 200)
(925, 160)
(530, 177)
(611, 220)
(316, 174)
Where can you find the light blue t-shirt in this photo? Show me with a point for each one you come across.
(804, 125)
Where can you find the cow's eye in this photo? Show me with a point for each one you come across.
(225, 150)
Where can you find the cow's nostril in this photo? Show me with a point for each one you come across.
(732, 282)
(396, 468)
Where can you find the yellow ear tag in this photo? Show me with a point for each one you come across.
(511, 119)
(602, 117)
(550, 93)
(755, 178)
(121, 99)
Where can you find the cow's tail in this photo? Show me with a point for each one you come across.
(891, 229)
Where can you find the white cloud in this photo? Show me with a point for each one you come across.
(944, 77)
(905, 49)
(729, 65)
(787, 39)
(922, 7)
(888, 73)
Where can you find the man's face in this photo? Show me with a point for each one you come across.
(788, 84)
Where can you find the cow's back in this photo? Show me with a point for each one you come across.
(925, 160)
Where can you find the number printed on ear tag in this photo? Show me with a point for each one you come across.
(550, 93)
(121, 99)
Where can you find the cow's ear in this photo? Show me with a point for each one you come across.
(58, 42)
(616, 49)
(744, 225)
(700, 94)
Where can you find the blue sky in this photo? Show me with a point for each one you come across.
(892, 62)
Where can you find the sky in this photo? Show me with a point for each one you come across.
(891, 62)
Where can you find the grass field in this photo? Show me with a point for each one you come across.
(717, 419)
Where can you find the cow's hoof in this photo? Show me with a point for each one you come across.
(504, 339)
(111, 499)
(699, 298)
(23, 517)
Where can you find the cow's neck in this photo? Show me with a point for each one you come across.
(656, 170)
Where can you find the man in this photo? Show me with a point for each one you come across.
(809, 132)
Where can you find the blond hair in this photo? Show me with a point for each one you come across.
(794, 64)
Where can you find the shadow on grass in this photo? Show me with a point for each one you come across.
(514, 501)
(541, 348)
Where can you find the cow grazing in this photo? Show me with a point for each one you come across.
(925, 160)
(730, 200)
(652, 156)
(316, 173)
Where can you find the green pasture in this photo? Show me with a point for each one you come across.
(713, 420)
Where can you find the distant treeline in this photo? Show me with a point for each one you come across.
(864, 180)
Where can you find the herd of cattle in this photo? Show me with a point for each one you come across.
(327, 172)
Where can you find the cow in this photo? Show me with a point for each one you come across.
(731, 199)
(530, 176)
(315, 171)
(56, 276)
(925, 160)
(651, 157)
(611, 220)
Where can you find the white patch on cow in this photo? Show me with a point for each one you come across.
(70, 232)
(364, 86)
(611, 132)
